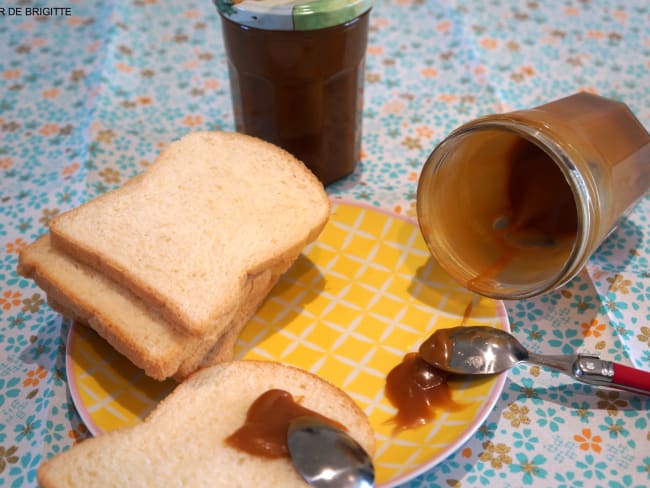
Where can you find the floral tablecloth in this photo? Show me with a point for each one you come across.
(90, 91)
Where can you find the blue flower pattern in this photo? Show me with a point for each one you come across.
(87, 101)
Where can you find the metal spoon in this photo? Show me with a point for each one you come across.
(327, 457)
(486, 350)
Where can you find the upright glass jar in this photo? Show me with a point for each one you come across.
(296, 76)
(512, 205)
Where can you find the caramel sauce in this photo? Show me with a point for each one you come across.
(435, 350)
(540, 212)
(416, 388)
(466, 314)
(541, 201)
(264, 432)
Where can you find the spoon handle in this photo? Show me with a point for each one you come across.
(595, 371)
(631, 379)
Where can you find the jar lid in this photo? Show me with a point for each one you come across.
(292, 14)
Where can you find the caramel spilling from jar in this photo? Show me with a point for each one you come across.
(264, 432)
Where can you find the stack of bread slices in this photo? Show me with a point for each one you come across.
(171, 266)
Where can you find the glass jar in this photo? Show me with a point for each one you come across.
(296, 76)
(512, 205)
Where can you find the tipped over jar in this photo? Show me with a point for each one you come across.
(513, 205)
(297, 74)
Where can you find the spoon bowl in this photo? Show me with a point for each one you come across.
(327, 457)
(473, 350)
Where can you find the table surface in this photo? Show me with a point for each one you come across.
(88, 99)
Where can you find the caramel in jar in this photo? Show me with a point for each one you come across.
(300, 85)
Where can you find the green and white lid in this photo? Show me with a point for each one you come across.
(292, 14)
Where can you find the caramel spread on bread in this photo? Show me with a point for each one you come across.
(265, 431)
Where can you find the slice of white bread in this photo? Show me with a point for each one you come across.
(181, 443)
(185, 235)
(126, 322)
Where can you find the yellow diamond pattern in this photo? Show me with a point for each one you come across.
(360, 297)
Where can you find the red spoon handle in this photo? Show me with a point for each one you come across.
(631, 379)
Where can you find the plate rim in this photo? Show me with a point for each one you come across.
(73, 387)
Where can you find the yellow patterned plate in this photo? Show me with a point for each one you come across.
(353, 304)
